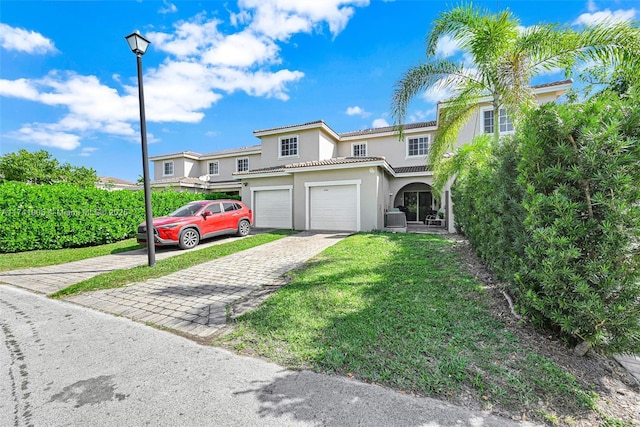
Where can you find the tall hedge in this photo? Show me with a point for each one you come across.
(581, 268)
(64, 215)
(555, 211)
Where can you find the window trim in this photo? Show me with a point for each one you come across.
(484, 110)
(164, 168)
(413, 156)
(238, 160)
(366, 149)
(280, 139)
(209, 167)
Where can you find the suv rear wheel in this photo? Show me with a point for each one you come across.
(189, 239)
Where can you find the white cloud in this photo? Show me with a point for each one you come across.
(167, 8)
(279, 19)
(190, 38)
(596, 16)
(241, 50)
(88, 151)
(357, 111)
(447, 46)
(21, 88)
(423, 115)
(436, 93)
(22, 40)
(380, 123)
(45, 136)
(203, 64)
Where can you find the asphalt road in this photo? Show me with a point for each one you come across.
(66, 365)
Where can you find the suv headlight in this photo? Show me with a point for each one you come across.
(168, 226)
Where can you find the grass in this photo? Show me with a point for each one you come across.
(123, 277)
(43, 258)
(399, 310)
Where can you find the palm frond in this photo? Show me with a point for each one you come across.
(439, 74)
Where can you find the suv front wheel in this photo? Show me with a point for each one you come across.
(189, 239)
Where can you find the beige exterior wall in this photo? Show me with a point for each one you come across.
(475, 125)
(227, 166)
(369, 193)
(313, 145)
(191, 168)
(327, 148)
(257, 183)
(388, 146)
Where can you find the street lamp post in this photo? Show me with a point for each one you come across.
(139, 45)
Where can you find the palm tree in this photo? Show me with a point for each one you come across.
(505, 58)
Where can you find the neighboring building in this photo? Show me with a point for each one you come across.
(110, 183)
(309, 177)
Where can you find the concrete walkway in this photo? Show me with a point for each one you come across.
(195, 300)
(50, 279)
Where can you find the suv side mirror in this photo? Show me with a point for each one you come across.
(206, 213)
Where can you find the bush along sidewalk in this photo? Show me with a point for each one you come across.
(565, 198)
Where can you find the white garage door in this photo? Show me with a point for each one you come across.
(272, 209)
(333, 207)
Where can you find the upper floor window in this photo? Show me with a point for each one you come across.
(214, 168)
(506, 125)
(288, 146)
(417, 146)
(167, 168)
(242, 164)
(359, 150)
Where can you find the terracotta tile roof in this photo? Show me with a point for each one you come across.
(411, 169)
(327, 162)
(232, 151)
(559, 83)
(316, 122)
(112, 180)
(178, 180)
(388, 129)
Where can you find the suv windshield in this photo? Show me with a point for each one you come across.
(188, 210)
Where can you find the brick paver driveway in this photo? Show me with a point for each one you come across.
(194, 301)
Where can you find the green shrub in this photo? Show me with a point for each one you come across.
(580, 270)
(487, 206)
(555, 211)
(64, 215)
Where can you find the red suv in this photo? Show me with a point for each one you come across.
(199, 220)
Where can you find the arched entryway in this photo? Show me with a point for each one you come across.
(417, 201)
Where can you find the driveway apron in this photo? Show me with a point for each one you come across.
(194, 301)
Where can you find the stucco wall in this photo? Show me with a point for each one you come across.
(308, 148)
(245, 192)
(368, 193)
(389, 147)
(227, 166)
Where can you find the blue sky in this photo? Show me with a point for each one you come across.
(218, 70)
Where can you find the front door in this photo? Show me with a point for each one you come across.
(418, 204)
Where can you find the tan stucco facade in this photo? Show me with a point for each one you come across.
(373, 165)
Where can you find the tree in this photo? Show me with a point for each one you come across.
(505, 58)
(40, 168)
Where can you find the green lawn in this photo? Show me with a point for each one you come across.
(43, 258)
(120, 278)
(400, 310)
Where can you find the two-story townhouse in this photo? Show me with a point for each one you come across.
(309, 177)
(211, 172)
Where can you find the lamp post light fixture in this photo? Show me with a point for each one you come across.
(139, 45)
